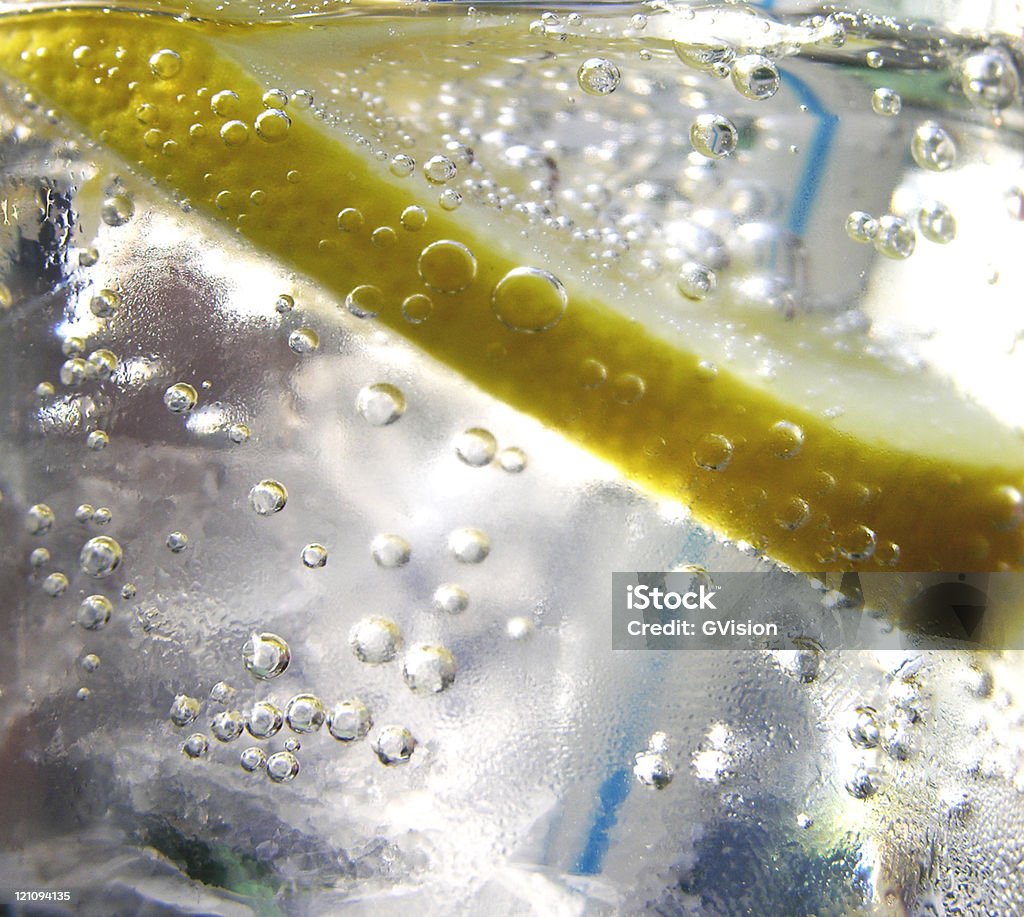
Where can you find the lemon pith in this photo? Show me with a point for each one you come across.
(750, 464)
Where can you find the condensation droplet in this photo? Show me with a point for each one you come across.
(265, 655)
(529, 299)
(598, 76)
(469, 545)
(100, 556)
(447, 266)
(375, 640)
(268, 497)
(380, 404)
(476, 446)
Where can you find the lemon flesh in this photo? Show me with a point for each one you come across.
(911, 476)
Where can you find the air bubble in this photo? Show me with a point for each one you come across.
(105, 304)
(305, 713)
(265, 655)
(874, 60)
(314, 555)
(862, 784)
(592, 373)
(696, 281)
(755, 77)
(252, 758)
(292, 745)
(222, 692)
(989, 79)
(416, 309)
(177, 542)
(428, 669)
(932, 147)
(469, 546)
(786, 439)
(476, 447)
(282, 766)
(55, 585)
(184, 710)
(284, 304)
(713, 136)
(375, 640)
(449, 199)
(234, 133)
(39, 519)
(349, 219)
(447, 266)
(196, 746)
(349, 721)
(937, 222)
(450, 599)
(180, 398)
(793, 514)
(439, 170)
(713, 452)
(652, 768)
(364, 301)
(272, 126)
(863, 729)
(394, 745)
(165, 64)
(39, 557)
(302, 99)
(529, 299)
(598, 76)
(90, 662)
(73, 372)
(303, 341)
(390, 551)
(100, 556)
(227, 725)
(512, 460)
(861, 226)
(885, 101)
(380, 404)
(628, 388)
(268, 497)
(264, 720)
(225, 103)
(94, 612)
(857, 543)
(104, 362)
(238, 433)
(413, 218)
(402, 165)
(84, 512)
(895, 237)
(275, 98)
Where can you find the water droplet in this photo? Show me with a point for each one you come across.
(252, 758)
(165, 64)
(402, 165)
(117, 210)
(416, 309)
(349, 721)
(104, 304)
(932, 147)
(592, 373)
(476, 447)
(314, 555)
(238, 433)
(177, 542)
(380, 404)
(39, 519)
(598, 76)
(394, 745)
(895, 237)
(272, 126)
(447, 266)
(375, 640)
(786, 439)
(305, 713)
(451, 599)
(264, 720)
(439, 170)
(652, 768)
(696, 281)
(885, 101)
(755, 77)
(861, 226)
(303, 341)
(234, 133)
(268, 497)
(529, 299)
(90, 663)
(184, 710)
(857, 543)
(428, 669)
(225, 103)
(265, 655)
(469, 546)
(713, 136)
(282, 766)
(100, 556)
(390, 551)
(39, 557)
(449, 199)
(94, 612)
(862, 784)
(512, 460)
(222, 692)
(937, 222)
(196, 746)
(227, 725)
(365, 301)
(55, 585)
(713, 452)
(873, 59)
(350, 220)
(180, 398)
(989, 78)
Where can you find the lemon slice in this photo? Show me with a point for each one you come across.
(911, 476)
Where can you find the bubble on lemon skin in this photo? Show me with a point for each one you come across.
(989, 78)
(165, 64)
(512, 460)
(932, 147)
(469, 545)
(895, 237)
(628, 388)
(439, 170)
(755, 77)
(449, 199)
(225, 103)
(184, 710)
(447, 266)
(55, 585)
(402, 165)
(713, 452)
(284, 304)
(227, 725)
(375, 640)
(94, 612)
(416, 308)
(196, 746)
(529, 299)
(476, 447)
(268, 497)
(380, 404)
(450, 599)
(314, 555)
(786, 439)
(282, 766)
(100, 556)
(177, 542)
(364, 301)
(394, 745)
(265, 655)
(857, 543)
(713, 136)
(264, 720)
(252, 758)
(886, 102)
(1008, 514)
(413, 218)
(305, 713)
(39, 519)
(303, 341)
(428, 669)
(180, 398)
(349, 721)
(793, 514)
(937, 222)
(105, 304)
(696, 281)
(117, 210)
(349, 219)
(390, 551)
(272, 126)
(598, 76)
(234, 133)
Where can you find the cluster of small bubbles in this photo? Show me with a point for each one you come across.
(529, 299)
(184, 710)
(349, 219)
(428, 668)
(195, 746)
(117, 210)
(39, 557)
(402, 165)
(380, 404)
(94, 612)
(39, 519)
(446, 266)
(238, 433)
(696, 281)
(165, 64)
(803, 661)
(227, 725)
(282, 766)
(439, 170)
(364, 301)
(84, 512)
(180, 398)
(292, 745)
(861, 226)
(390, 551)
(512, 460)
(272, 126)
(314, 555)
(268, 497)
(989, 78)
(303, 341)
(100, 556)
(416, 308)
(895, 237)
(222, 692)
(932, 147)
(349, 721)
(713, 452)
(755, 77)
(103, 362)
(90, 662)
(55, 585)
(598, 76)
(519, 627)
(128, 591)
(284, 303)
(476, 447)
(105, 303)
(863, 729)
(469, 545)
(264, 720)
(787, 439)
(265, 655)
(857, 543)
(305, 713)
(885, 101)
(225, 103)
(234, 133)
(449, 199)
(873, 59)
(73, 372)
(862, 784)
(713, 135)
(252, 758)
(177, 542)
(937, 222)
(375, 640)
(394, 745)
(451, 599)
